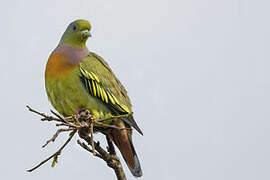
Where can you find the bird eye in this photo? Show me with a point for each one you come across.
(74, 27)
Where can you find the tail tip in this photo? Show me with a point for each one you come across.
(136, 171)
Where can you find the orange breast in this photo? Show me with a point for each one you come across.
(58, 66)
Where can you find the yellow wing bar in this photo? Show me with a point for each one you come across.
(95, 88)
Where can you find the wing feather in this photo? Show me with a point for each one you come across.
(100, 82)
(96, 89)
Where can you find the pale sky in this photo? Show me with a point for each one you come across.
(197, 73)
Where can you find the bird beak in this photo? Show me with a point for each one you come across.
(86, 33)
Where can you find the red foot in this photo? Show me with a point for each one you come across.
(79, 111)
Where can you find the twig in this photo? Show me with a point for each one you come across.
(68, 125)
(45, 117)
(84, 125)
(56, 154)
(34, 111)
(111, 149)
(110, 158)
(117, 166)
(56, 135)
(57, 115)
(108, 125)
(83, 145)
(92, 138)
(115, 117)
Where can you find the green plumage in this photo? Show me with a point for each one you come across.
(72, 87)
(72, 92)
(77, 79)
(105, 82)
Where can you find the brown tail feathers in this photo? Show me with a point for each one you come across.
(122, 139)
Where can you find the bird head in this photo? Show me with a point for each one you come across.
(76, 34)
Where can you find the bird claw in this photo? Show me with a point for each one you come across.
(84, 114)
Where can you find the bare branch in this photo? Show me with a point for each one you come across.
(56, 154)
(83, 145)
(110, 158)
(108, 125)
(92, 138)
(56, 135)
(115, 117)
(111, 149)
(83, 123)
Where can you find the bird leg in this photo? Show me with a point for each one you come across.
(84, 117)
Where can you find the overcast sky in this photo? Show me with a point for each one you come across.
(197, 72)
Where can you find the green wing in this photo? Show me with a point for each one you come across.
(100, 82)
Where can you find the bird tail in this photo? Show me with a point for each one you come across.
(122, 139)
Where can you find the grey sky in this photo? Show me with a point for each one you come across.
(197, 73)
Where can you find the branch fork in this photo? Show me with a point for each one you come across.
(83, 124)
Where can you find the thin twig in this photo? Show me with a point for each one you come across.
(56, 135)
(111, 159)
(111, 149)
(109, 126)
(92, 138)
(68, 125)
(56, 154)
(84, 125)
(114, 117)
(57, 115)
(83, 145)
(34, 111)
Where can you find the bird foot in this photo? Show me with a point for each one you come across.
(84, 115)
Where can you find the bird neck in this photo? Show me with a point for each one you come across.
(74, 54)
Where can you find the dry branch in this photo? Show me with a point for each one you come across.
(83, 123)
